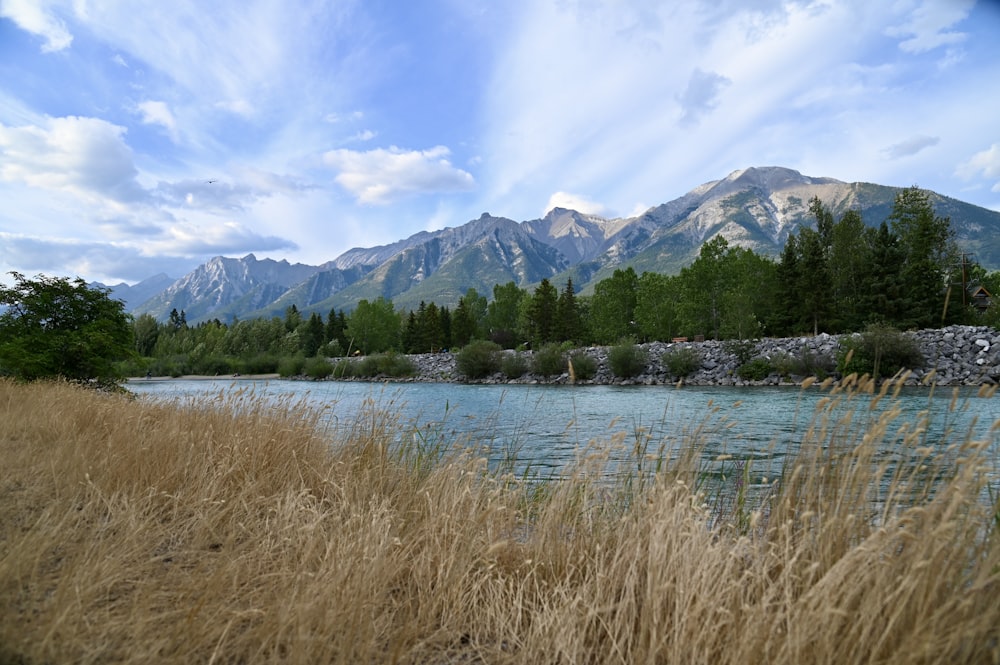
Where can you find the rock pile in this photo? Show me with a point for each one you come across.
(957, 355)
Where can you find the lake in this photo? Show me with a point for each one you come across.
(547, 428)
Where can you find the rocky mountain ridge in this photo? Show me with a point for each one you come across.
(757, 208)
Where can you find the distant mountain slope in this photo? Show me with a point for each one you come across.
(756, 208)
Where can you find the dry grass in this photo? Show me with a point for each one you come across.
(229, 532)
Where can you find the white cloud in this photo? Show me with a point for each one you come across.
(910, 146)
(575, 202)
(158, 113)
(381, 175)
(985, 164)
(86, 156)
(927, 27)
(31, 16)
(206, 236)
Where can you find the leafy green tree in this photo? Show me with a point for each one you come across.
(147, 331)
(703, 284)
(503, 313)
(656, 302)
(374, 326)
(540, 321)
(849, 268)
(612, 314)
(57, 327)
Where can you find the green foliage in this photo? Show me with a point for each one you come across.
(806, 363)
(514, 365)
(657, 301)
(682, 361)
(742, 349)
(389, 364)
(548, 360)
(540, 315)
(757, 369)
(56, 327)
(612, 307)
(503, 315)
(584, 365)
(261, 363)
(318, 368)
(374, 326)
(879, 351)
(478, 359)
(291, 366)
(626, 359)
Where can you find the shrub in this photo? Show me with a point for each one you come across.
(757, 369)
(807, 363)
(548, 360)
(344, 369)
(318, 368)
(263, 363)
(682, 361)
(584, 366)
(879, 351)
(291, 365)
(626, 359)
(478, 359)
(389, 364)
(743, 349)
(513, 365)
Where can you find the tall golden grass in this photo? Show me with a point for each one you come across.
(229, 530)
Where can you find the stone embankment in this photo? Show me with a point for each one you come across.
(957, 355)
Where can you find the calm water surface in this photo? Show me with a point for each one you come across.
(548, 427)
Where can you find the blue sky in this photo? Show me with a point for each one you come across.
(145, 137)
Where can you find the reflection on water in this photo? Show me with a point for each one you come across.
(547, 428)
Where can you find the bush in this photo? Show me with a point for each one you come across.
(584, 366)
(291, 366)
(626, 359)
(682, 361)
(757, 369)
(478, 359)
(807, 363)
(263, 363)
(548, 360)
(318, 368)
(743, 349)
(344, 369)
(879, 351)
(389, 364)
(513, 365)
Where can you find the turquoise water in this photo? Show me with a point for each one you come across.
(547, 428)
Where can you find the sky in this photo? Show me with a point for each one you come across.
(140, 137)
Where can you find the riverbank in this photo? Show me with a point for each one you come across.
(956, 355)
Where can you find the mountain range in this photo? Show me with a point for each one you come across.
(757, 208)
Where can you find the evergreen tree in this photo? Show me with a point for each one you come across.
(311, 335)
(541, 313)
(929, 254)
(568, 326)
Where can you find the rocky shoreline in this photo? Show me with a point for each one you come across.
(957, 355)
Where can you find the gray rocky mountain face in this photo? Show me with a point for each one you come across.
(756, 208)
